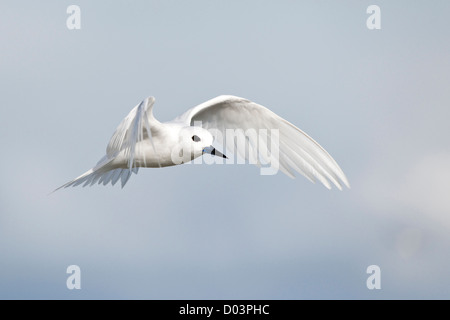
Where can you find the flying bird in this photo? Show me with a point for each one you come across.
(141, 140)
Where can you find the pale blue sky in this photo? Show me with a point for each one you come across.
(378, 101)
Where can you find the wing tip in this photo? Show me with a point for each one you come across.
(149, 101)
(344, 182)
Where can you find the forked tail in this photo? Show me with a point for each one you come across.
(104, 173)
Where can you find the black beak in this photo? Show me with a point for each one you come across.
(213, 151)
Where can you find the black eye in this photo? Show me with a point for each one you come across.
(195, 138)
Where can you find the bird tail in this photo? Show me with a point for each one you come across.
(103, 172)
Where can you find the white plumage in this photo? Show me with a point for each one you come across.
(142, 141)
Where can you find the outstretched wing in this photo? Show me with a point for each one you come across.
(296, 150)
(138, 125)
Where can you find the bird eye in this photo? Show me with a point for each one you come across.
(195, 138)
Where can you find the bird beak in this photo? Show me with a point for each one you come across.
(213, 151)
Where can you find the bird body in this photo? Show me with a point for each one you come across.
(140, 140)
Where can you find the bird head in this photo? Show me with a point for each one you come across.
(196, 141)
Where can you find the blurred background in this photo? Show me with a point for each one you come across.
(377, 100)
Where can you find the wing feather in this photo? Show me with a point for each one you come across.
(297, 150)
(136, 126)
